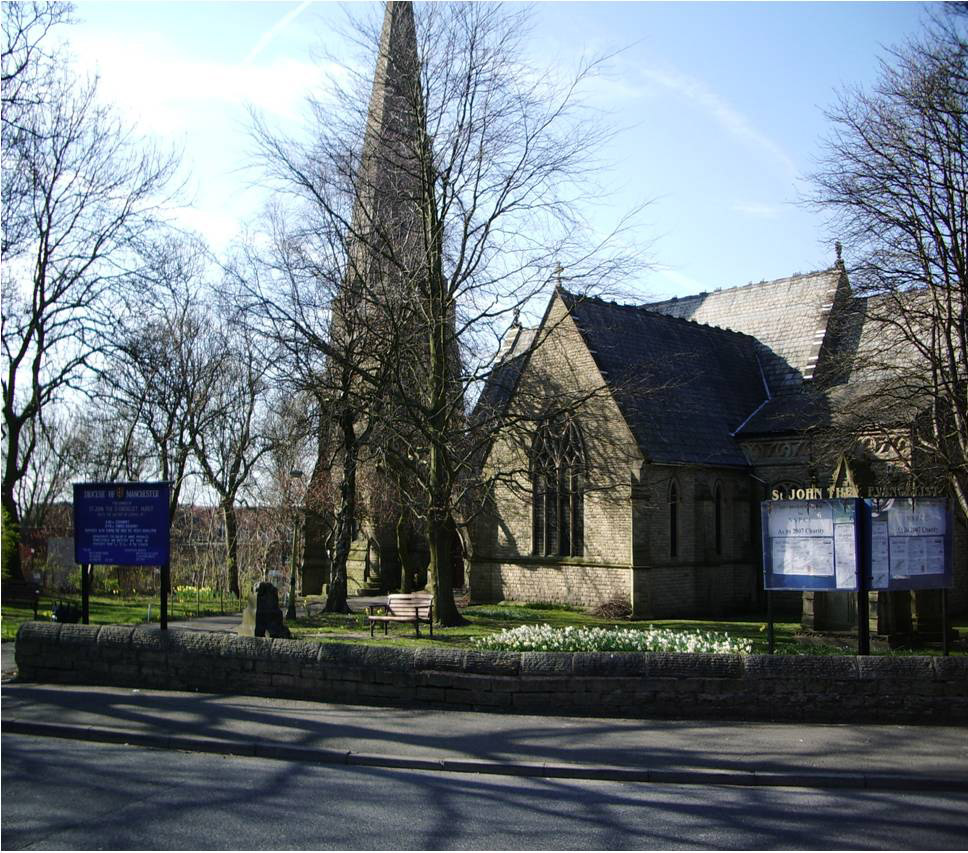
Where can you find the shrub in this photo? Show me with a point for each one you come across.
(544, 638)
(617, 607)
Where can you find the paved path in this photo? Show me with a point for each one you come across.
(823, 755)
(902, 757)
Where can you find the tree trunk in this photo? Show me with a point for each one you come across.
(11, 567)
(231, 545)
(438, 537)
(336, 595)
(403, 554)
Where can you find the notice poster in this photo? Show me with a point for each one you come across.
(122, 524)
(910, 543)
(810, 544)
(814, 557)
(880, 555)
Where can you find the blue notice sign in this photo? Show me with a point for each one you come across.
(121, 524)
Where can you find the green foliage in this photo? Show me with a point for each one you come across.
(10, 543)
(204, 593)
(546, 605)
(482, 621)
(110, 610)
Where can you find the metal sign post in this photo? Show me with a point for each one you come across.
(86, 577)
(165, 581)
(863, 619)
(770, 636)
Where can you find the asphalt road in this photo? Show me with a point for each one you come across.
(67, 794)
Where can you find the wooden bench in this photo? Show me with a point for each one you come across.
(21, 592)
(415, 607)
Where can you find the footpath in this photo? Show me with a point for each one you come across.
(657, 751)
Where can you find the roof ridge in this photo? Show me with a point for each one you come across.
(749, 284)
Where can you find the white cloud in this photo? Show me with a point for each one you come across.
(718, 108)
(161, 87)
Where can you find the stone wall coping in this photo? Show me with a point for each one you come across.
(85, 640)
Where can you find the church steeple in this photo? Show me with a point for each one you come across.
(386, 177)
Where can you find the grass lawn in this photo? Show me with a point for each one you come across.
(481, 619)
(489, 618)
(109, 610)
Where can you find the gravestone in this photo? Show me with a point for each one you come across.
(263, 616)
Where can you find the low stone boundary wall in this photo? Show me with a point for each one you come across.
(761, 687)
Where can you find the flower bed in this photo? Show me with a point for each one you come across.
(544, 638)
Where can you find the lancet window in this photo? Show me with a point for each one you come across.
(718, 517)
(673, 520)
(558, 484)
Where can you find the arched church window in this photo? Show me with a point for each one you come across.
(718, 517)
(558, 486)
(673, 520)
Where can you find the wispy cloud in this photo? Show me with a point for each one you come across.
(764, 211)
(719, 109)
(682, 284)
(275, 29)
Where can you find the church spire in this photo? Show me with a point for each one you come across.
(392, 116)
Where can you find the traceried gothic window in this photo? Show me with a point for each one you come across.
(673, 520)
(558, 484)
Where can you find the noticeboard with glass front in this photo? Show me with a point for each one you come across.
(811, 544)
(910, 543)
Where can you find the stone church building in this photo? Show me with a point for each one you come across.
(640, 440)
(679, 418)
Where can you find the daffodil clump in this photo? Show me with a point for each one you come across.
(544, 638)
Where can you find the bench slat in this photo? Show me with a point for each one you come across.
(415, 607)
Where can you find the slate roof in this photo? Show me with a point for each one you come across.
(682, 387)
(838, 406)
(788, 316)
(787, 414)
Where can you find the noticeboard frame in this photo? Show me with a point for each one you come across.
(844, 508)
(873, 507)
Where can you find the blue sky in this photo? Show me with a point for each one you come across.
(721, 105)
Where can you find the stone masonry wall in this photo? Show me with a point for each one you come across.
(834, 689)
(573, 582)
(560, 369)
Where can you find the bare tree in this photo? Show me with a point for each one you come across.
(230, 432)
(894, 179)
(300, 296)
(167, 363)
(56, 460)
(79, 192)
(457, 180)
